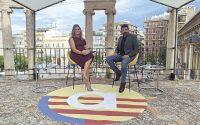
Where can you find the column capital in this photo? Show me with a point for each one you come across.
(88, 11)
(110, 11)
(8, 10)
(28, 10)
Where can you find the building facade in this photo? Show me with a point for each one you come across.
(155, 31)
(185, 14)
(117, 28)
(189, 49)
(140, 37)
(19, 40)
(50, 45)
(99, 39)
(100, 36)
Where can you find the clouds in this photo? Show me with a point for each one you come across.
(124, 6)
(64, 15)
(135, 11)
(18, 21)
(67, 13)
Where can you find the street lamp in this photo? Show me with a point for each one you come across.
(175, 4)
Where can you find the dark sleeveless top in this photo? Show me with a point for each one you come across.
(78, 58)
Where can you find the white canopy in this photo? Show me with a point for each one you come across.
(37, 5)
(173, 3)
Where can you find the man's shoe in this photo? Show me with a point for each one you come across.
(122, 87)
(118, 75)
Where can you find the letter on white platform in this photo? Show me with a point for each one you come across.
(109, 101)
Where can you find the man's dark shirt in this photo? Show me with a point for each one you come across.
(122, 46)
(131, 45)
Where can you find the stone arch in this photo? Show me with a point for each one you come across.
(109, 7)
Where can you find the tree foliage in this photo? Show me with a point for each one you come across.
(21, 62)
(1, 63)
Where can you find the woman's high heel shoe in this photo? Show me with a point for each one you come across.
(88, 88)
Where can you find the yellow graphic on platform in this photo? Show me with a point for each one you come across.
(102, 106)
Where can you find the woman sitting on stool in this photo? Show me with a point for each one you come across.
(80, 54)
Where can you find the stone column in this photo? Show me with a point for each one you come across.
(198, 65)
(170, 40)
(190, 54)
(9, 65)
(88, 27)
(185, 61)
(1, 39)
(110, 35)
(110, 31)
(30, 39)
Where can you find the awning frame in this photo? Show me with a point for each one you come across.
(172, 6)
(40, 8)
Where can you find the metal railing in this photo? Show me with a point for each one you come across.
(53, 63)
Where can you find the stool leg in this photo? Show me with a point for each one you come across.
(73, 75)
(89, 77)
(113, 81)
(129, 80)
(82, 75)
(67, 75)
(137, 78)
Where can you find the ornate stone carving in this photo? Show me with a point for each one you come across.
(8, 10)
(110, 11)
(88, 11)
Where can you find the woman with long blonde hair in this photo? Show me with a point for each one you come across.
(79, 54)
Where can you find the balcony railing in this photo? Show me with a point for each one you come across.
(53, 61)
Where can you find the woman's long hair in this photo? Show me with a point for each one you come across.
(73, 31)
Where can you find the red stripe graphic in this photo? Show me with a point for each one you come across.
(131, 106)
(90, 112)
(99, 122)
(132, 100)
(58, 97)
(118, 105)
(98, 98)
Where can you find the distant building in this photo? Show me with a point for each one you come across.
(140, 37)
(188, 54)
(99, 39)
(19, 40)
(117, 28)
(53, 44)
(156, 31)
(40, 36)
(185, 14)
(50, 43)
(155, 35)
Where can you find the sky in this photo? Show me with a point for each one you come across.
(64, 15)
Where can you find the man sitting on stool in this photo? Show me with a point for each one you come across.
(126, 51)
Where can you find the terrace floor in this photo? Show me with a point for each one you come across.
(179, 104)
